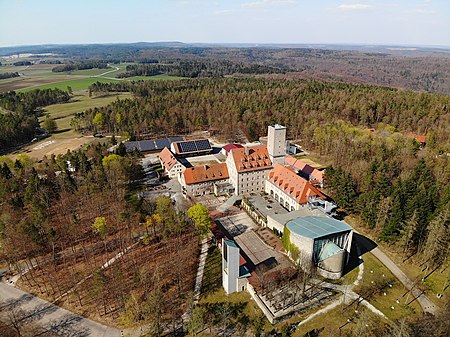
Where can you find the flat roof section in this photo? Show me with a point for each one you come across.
(254, 247)
(315, 227)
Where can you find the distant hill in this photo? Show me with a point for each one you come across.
(419, 68)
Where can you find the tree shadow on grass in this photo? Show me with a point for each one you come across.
(61, 131)
(69, 325)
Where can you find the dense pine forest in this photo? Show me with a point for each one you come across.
(9, 75)
(397, 187)
(19, 117)
(81, 66)
(197, 68)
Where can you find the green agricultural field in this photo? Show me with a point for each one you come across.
(84, 83)
(40, 76)
(76, 84)
(88, 72)
(63, 113)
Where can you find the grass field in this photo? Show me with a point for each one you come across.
(84, 83)
(63, 113)
(40, 76)
(75, 84)
(65, 138)
(373, 271)
(413, 267)
(89, 72)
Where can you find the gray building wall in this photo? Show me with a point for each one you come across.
(276, 143)
(230, 266)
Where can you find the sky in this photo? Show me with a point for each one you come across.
(395, 22)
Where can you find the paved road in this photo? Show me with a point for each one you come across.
(51, 317)
(426, 304)
(109, 72)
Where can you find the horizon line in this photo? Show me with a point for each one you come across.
(256, 44)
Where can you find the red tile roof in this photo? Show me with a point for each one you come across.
(317, 175)
(292, 184)
(168, 158)
(313, 173)
(201, 174)
(229, 147)
(250, 159)
(419, 138)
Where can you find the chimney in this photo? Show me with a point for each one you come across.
(247, 151)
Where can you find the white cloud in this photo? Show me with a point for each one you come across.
(353, 7)
(264, 3)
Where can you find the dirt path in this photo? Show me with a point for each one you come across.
(109, 72)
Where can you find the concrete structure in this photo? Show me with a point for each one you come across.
(321, 241)
(276, 143)
(289, 189)
(201, 180)
(172, 167)
(248, 168)
(234, 273)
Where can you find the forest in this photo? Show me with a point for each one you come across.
(422, 69)
(197, 68)
(22, 63)
(9, 75)
(19, 119)
(69, 215)
(90, 64)
(397, 187)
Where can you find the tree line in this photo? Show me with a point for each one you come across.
(90, 64)
(18, 123)
(22, 63)
(9, 75)
(198, 68)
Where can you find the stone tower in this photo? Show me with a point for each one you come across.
(230, 266)
(276, 143)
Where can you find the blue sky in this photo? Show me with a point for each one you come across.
(401, 22)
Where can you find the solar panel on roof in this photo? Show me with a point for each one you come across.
(162, 143)
(130, 146)
(203, 144)
(146, 145)
(187, 146)
(175, 139)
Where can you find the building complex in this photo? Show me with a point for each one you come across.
(280, 192)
